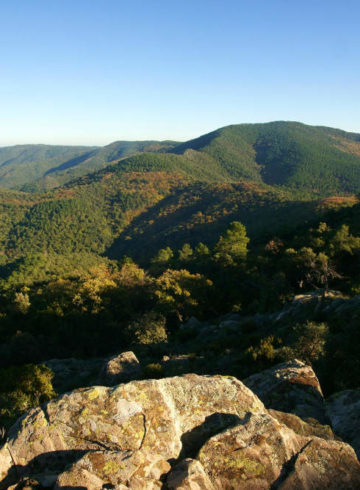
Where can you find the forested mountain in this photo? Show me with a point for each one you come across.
(289, 154)
(316, 159)
(173, 193)
(200, 212)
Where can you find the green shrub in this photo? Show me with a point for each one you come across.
(148, 329)
(265, 351)
(23, 388)
(310, 343)
(154, 370)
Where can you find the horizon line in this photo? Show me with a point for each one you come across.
(175, 140)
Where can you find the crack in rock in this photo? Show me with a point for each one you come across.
(46, 413)
(145, 432)
(288, 467)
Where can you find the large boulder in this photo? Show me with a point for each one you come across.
(291, 387)
(261, 453)
(121, 368)
(146, 423)
(343, 410)
(190, 433)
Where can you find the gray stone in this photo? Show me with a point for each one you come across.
(121, 368)
(343, 410)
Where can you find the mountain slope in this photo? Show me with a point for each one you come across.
(199, 212)
(290, 154)
(97, 160)
(120, 211)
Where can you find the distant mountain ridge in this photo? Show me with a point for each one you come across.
(22, 166)
(293, 155)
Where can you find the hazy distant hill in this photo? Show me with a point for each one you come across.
(25, 163)
(97, 160)
(41, 167)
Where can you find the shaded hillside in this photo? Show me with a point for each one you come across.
(85, 216)
(200, 212)
(74, 224)
(135, 214)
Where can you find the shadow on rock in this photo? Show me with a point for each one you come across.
(193, 440)
(54, 462)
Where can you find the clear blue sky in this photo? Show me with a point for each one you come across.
(92, 71)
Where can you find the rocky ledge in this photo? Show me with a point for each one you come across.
(189, 432)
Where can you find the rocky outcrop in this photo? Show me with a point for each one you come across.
(98, 468)
(119, 369)
(343, 410)
(70, 373)
(146, 423)
(290, 387)
(190, 432)
(262, 454)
